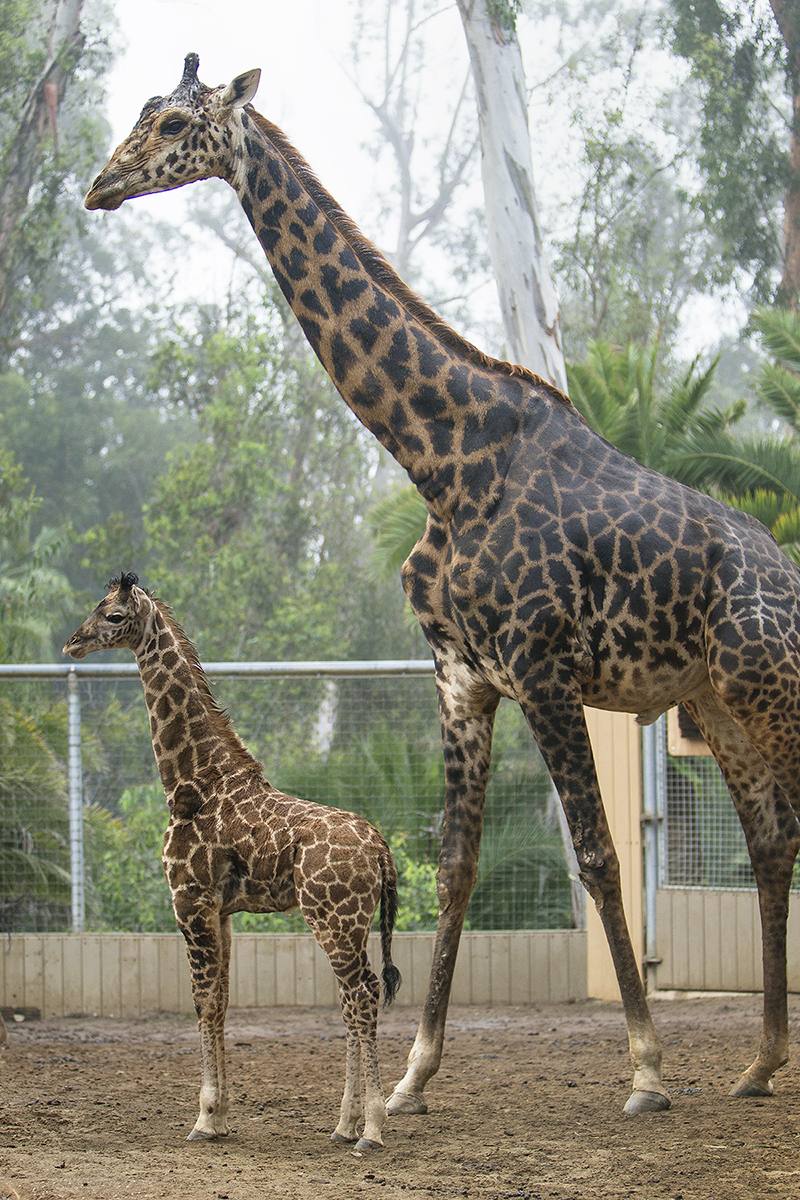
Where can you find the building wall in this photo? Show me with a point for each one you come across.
(711, 941)
(616, 742)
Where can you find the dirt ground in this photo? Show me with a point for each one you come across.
(528, 1104)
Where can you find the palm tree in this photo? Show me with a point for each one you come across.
(619, 393)
(774, 495)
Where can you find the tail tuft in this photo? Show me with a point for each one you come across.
(391, 976)
(391, 982)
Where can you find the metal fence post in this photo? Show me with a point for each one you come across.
(652, 816)
(75, 780)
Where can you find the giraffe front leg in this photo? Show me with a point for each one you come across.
(467, 720)
(208, 945)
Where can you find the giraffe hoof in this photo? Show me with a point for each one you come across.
(749, 1087)
(341, 1140)
(200, 1135)
(403, 1102)
(368, 1144)
(644, 1102)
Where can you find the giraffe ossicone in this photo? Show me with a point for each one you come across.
(553, 569)
(234, 844)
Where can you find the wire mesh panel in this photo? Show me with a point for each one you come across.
(702, 844)
(369, 743)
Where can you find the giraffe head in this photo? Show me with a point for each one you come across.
(121, 619)
(178, 139)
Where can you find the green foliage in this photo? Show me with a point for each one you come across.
(31, 590)
(504, 13)
(778, 384)
(397, 522)
(770, 490)
(636, 251)
(418, 905)
(740, 65)
(397, 783)
(34, 826)
(128, 888)
(665, 424)
(523, 882)
(253, 531)
(620, 394)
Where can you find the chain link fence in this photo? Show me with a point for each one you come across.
(82, 814)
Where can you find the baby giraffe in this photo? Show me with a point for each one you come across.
(234, 843)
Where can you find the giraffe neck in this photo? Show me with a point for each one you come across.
(432, 399)
(193, 741)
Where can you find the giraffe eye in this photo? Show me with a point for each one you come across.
(115, 618)
(173, 126)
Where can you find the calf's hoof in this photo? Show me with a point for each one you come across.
(341, 1140)
(645, 1102)
(368, 1144)
(202, 1135)
(403, 1102)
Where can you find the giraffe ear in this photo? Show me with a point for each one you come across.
(240, 91)
(140, 599)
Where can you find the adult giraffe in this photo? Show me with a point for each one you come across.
(553, 569)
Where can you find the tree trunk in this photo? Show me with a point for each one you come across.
(528, 300)
(37, 122)
(788, 19)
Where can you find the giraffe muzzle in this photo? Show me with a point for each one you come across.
(105, 193)
(74, 648)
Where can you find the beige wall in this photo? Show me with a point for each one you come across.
(711, 941)
(132, 974)
(616, 741)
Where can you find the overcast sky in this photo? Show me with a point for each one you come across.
(302, 48)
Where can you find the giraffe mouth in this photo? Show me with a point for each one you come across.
(108, 198)
(74, 649)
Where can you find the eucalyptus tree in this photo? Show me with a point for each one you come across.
(528, 300)
(745, 63)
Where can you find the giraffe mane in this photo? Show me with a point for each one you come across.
(382, 271)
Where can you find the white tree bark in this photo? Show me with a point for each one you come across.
(528, 301)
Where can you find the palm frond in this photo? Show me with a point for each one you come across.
(397, 522)
(780, 389)
(780, 333)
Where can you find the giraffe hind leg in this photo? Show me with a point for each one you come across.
(773, 836)
(351, 1110)
(359, 992)
(560, 730)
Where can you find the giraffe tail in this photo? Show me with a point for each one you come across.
(391, 976)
